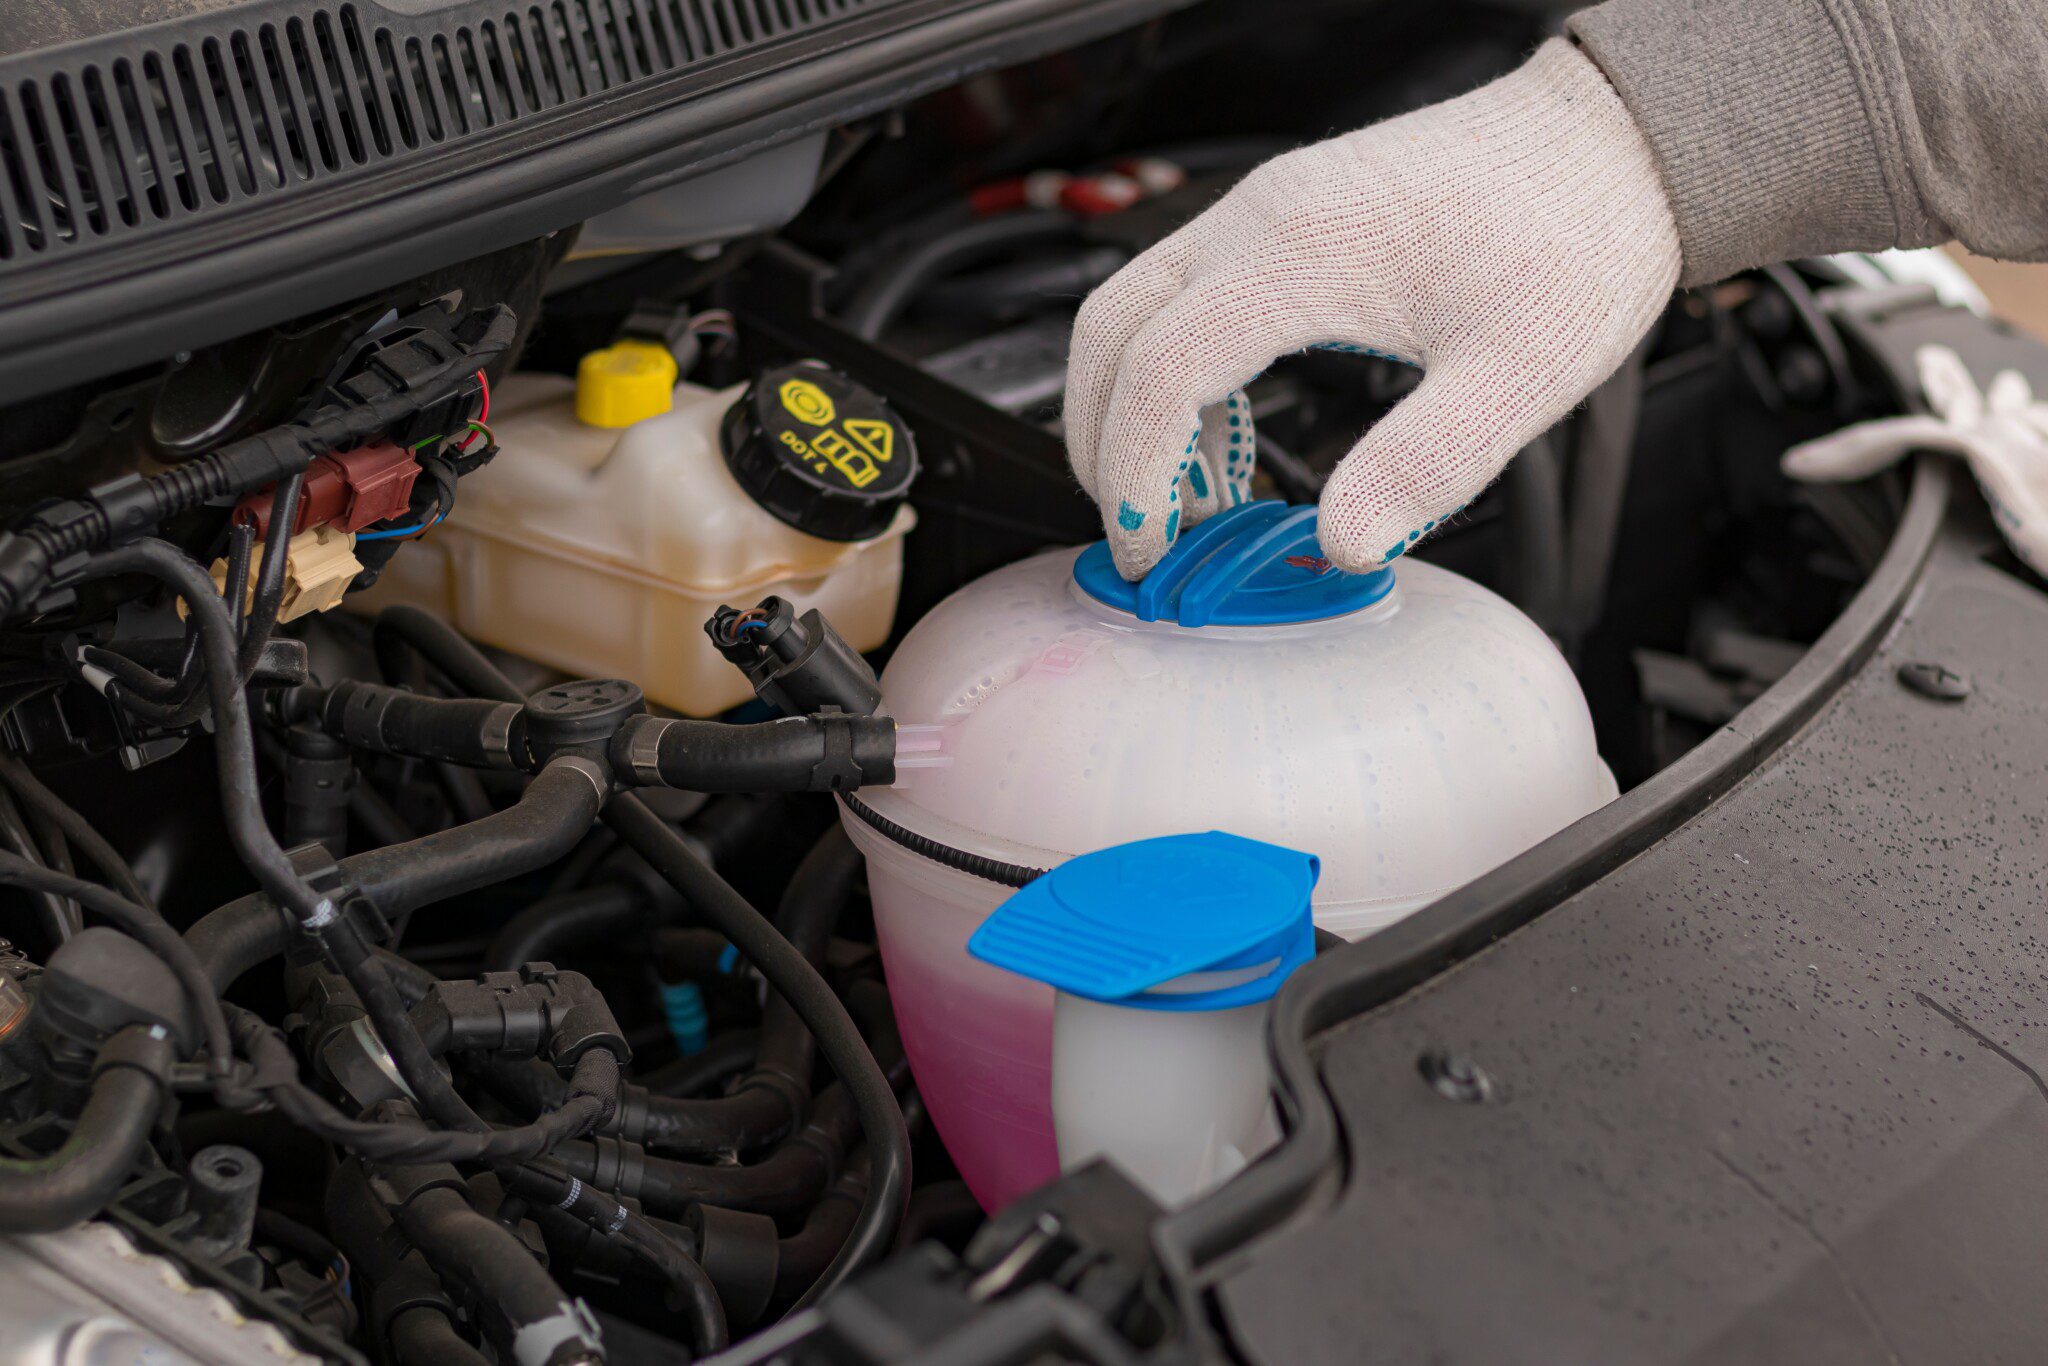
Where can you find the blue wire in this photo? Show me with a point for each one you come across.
(391, 532)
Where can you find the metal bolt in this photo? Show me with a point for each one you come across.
(1935, 681)
(1457, 1078)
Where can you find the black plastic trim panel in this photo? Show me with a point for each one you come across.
(182, 183)
(1199, 1244)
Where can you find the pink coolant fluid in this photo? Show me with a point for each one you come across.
(979, 1039)
(1411, 735)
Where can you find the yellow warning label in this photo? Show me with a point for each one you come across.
(807, 402)
(855, 465)
(877, 438)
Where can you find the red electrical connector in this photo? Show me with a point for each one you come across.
(347, 490)
(1087, 196)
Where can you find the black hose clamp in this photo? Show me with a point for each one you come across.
(617, 1167)
(149, 1049)
(319, 870)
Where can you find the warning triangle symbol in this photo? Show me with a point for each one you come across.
(875, 437)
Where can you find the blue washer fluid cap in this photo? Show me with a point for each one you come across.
(1119, 923)
(1259, 564)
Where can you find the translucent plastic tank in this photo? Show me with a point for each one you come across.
(1164, 956)
(1409, 728)
(600, 550)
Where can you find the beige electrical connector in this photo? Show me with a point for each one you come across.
(319, 565)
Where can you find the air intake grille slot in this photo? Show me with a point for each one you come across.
(103, 140)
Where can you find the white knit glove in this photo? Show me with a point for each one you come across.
(1516, 243)
(2002, 432)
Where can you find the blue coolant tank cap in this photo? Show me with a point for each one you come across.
(1119, 923)
(1259, 564)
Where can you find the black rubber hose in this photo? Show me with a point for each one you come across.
(811, 906)
(423, 1336)
(542, 826)
(784, 1182)
(237, 938)
(946, 1210)
(893, 285)
(769, 1101)
(720, 1126)
(686, 952)
(690, 1288)
(723, 1057)
(803, 1256)
(393, 1280)
(234, 739)
(319, 781)
(788, 1180)
(730, 821)
(43, 1194)
(153, 932)
(50, 839)
(791, 754)
(378, 817)
(446, 648)
(786, 970)
(1010, 290)
(473, 731)
(396, 1140)
(19, 847)
(493, 1264)
(607, 912)
(309, 1245)
(881, 1122)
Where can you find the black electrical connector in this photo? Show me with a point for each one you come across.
(537, 1012)
(101, 981)
(415, 364)
(798, 665)
(401, 384)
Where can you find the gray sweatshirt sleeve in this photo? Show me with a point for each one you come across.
(1796, 127)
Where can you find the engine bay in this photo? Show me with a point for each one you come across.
(435, 727)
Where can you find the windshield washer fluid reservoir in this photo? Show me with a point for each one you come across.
(600, 550)
(1410, 734)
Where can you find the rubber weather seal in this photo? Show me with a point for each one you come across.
(1193, 1243)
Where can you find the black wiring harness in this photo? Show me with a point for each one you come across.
(458, 1106)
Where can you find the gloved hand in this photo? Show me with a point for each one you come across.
(2002, 432)
(1516, 243)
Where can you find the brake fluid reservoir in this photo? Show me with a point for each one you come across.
(623, 508)
(1410, 733)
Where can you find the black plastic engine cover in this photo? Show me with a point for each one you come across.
(1770, 1092)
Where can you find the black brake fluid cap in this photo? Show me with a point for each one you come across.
(820, 452)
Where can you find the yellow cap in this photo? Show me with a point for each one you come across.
(625, 383)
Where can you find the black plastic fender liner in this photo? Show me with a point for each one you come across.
(1340, 986)
(208, 273)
